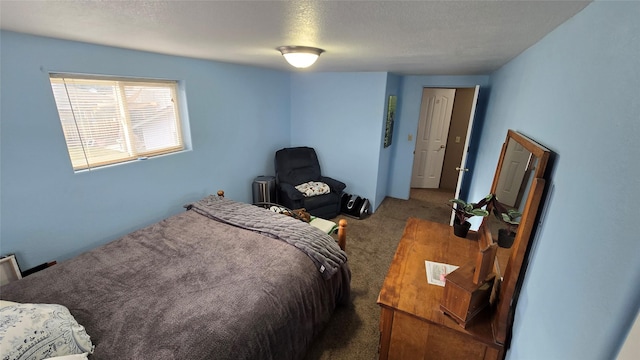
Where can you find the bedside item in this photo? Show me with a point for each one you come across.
(327, 226)
(264, 189)
(330, 227)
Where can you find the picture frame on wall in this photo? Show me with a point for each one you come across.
(391, 112)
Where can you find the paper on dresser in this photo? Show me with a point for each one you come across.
(437, 271)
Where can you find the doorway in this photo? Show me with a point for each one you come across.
(452, 143)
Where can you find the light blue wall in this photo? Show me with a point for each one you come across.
(384, 163)
(576, 92)
(239, 116)
(409, 114)
(341, 116)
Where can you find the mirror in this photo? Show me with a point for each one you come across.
(515, 175)
(512, 184)
(521, 161)
(518, 185)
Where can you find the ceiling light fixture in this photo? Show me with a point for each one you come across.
(300, 56)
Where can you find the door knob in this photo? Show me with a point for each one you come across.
(441, 146)
(461, 169)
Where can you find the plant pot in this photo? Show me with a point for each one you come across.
(505, 238)
(461, 230)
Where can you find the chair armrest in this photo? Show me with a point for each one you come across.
(335, 185)
(291, 191)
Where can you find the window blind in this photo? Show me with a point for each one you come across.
(109, 121)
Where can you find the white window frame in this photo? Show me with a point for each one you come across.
(72, 110)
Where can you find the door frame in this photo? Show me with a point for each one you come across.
(463, 161)
(462, 170)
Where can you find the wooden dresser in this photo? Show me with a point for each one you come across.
(412, 325)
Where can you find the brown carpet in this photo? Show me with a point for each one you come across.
(352, 332)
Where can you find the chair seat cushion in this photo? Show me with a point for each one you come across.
(313, 188)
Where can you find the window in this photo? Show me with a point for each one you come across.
(109, 120)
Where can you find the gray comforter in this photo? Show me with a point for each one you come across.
(322, 249)
(190, 287)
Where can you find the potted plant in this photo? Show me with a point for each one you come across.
(511, 217)
(506, 235)
(464, 211)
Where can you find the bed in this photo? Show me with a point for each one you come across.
(222, 280)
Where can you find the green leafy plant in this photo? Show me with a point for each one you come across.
(465, 210)
(512, 219)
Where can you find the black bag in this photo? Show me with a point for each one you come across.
(354, 206)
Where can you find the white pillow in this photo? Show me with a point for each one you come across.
(313, 188)
(39, 331)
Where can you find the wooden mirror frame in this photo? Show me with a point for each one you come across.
(503, 316)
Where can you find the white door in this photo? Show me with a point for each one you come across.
(431, 138)
(462, 169)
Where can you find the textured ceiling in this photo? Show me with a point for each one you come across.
(404, 37)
